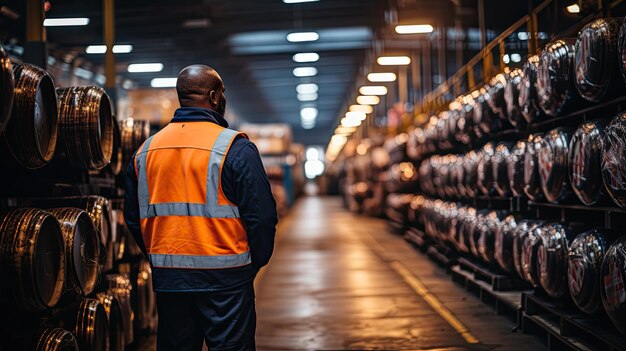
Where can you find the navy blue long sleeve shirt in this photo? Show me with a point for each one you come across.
(245, 184)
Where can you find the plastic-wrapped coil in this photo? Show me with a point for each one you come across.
(82, 248)
(470, 173)
(92, 329)
(511, 97)
(457, 176)
(585, 162)
(586, 253)
(553, 170)
(56, 339)
(32, 259)
(425, 177)
(505, 237)
(487, 239)
(475, 232)
(614, 159)
(413, 145)
(485, 122)
(467, 222)
(519, 236)
(465, 124)
(484, 171)
(500, 170)
(7, 85)
(552, 259)
(555, 84)
(86, 126)
(115, 319)
(532, 181)
(415, 208)
(528, 260)
(515, 167)
(613, 287)
(621, 48)
(456, 226)
(496, 100)
(528, 99)
(398, 207)
(31, 134)
(596, 59)
(119, 286)
(449, 188)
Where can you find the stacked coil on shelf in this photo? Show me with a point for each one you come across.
(56, 339)
(7, 87)
(91, 328)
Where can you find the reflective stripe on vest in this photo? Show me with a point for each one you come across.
(211, 209)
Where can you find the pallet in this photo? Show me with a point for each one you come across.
(507, 303)
(564, 328)
(497, 281)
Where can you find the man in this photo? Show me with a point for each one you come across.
(199, 204)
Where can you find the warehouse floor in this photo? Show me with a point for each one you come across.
(341, 281)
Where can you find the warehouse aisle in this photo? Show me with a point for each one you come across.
(341, 281)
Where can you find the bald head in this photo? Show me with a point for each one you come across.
(201, 86)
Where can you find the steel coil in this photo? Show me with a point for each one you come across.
(92, 329)
(31, 134)
(119, 286)
(465, 124)
(528, 99)
(585, 162)
(621, 48)
(56, 339)
(614, 159)
(86, 126)
(532, 181)
(457, 176)
(32, 259)
(475, 231)
(134, 133)
(497, 100)
(7, 86)
(530, 240)
(487, 239)
(117, 155)
(552, 253)
(555, 84)
(511, 98)
(553, 170)
(613, 290)
(500, 169)
(515, 167)
(464, 235)
(116, 321)
(520, 234)
(470, 173)
(505, 237)
(82, 248)
(484, 120)
(596, 59)
(484, 171)
(584, 261)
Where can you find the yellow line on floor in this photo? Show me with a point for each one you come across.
(433, 301)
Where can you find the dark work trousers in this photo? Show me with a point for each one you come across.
(225, 320)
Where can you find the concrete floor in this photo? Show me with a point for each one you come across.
(340, 281)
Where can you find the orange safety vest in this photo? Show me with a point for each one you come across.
(186, 220)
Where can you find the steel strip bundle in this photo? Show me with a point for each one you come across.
(86, 126)
(32, 257)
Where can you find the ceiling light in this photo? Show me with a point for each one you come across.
(197, 23)
(573, 8)
(393, 60)
(308, 88)
(347, 122)
(306, 57)
(338, 140)
(305, 71)
(414, 29)
(361, 116)
(302, 36)
(381, 77)
(367, 100)
(506, 59)
(163, 82)
(516, 57)
(297, 1)
(83, 73)
(145, 67)
(373, 90)
(307, 97)
(101, 49)
(308, 114)
(62, 22)
(307, 125)
(362, 108)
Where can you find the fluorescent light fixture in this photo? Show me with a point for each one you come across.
(308, 88)
(83, 73)
(305, 71)
(297, 1)
(101, 49)
(307, 125)
(312, 153)
(308, 114)
(307, 97)
(393, 60)
(299, 37)
(516, 57)
(381, 77)
(346, 122)
(197, 23)
(361, 108)
(306, 57)
(414, 29)
(367, 100)
(163, 82)
(573, 8)
(338, 140)
(361, 116)
(373, 90)
(506, 59)
(66, 22)
(145, 67)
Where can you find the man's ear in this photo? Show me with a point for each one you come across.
(213, 98)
